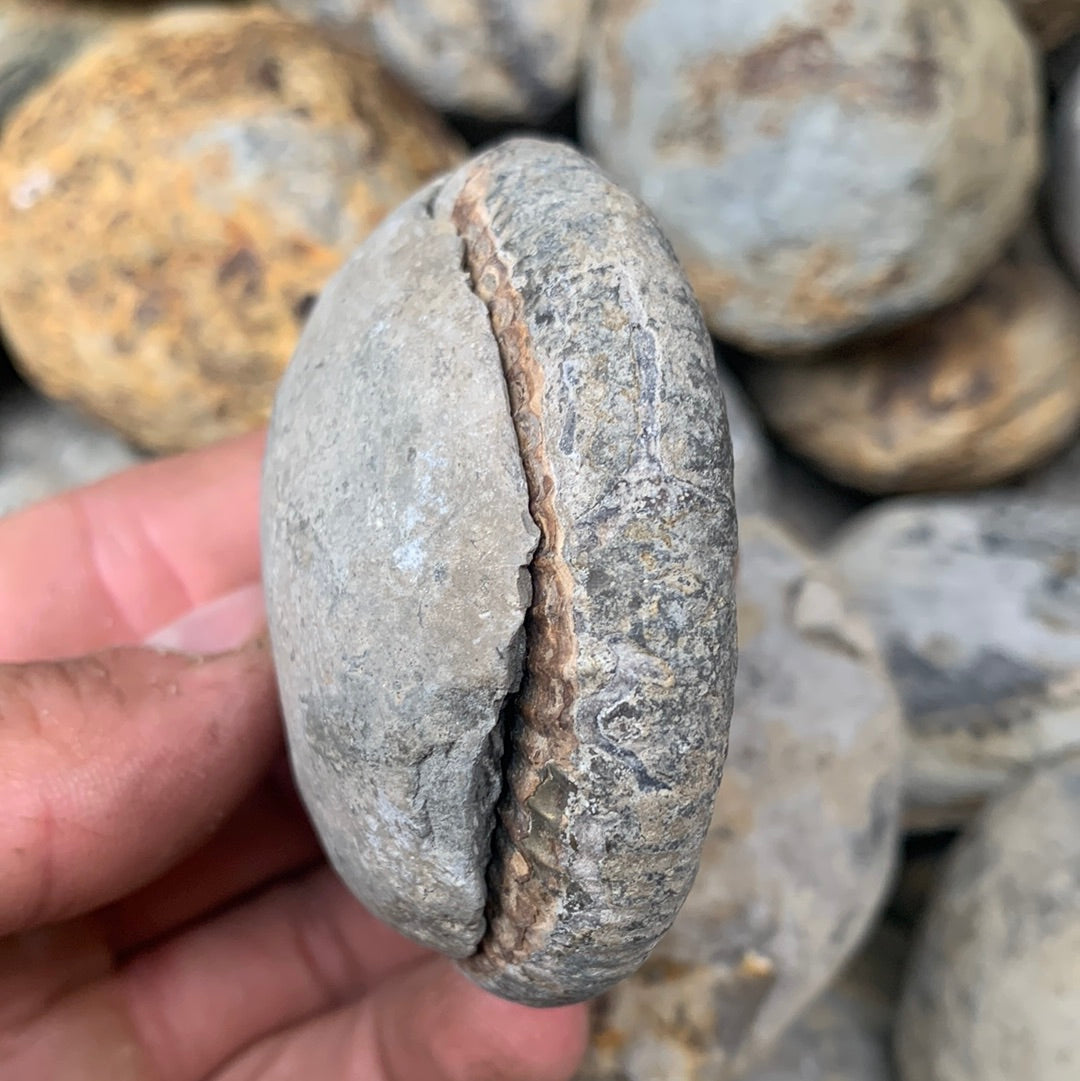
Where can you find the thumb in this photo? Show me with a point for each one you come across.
(115, 765)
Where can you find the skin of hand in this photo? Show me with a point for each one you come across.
(165, 912)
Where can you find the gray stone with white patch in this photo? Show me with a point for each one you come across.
(976, 605)
(823, 167)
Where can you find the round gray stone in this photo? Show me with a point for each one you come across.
(823, 167)
(993, 987)
(514, 59)
(976, 605)
(801, 845)
(509, 740)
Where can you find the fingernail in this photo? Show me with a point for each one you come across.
(218, 627)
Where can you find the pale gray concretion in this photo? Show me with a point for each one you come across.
(508, 59)
(802, 840)
(976, 605)
(993, 986)
(398, 541)
(46, 449)
(823, 167)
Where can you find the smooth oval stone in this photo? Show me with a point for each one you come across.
(802, 840)
(513, 60)
(993, 986)
(515, 350)
(976, 606)
(216, 166)
(971, 396)
(822, 169)
(46, 449)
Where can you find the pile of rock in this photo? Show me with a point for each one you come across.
(878, 204)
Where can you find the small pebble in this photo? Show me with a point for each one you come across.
(822, 168)
(971, 396)
(216, 167)
(976, 605)
(801, 844)
(993, 986)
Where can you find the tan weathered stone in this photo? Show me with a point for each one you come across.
(975, 394)
(172, 203)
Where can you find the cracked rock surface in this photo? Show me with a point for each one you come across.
(993, 984)
(823, 167)
(976, 606)
(801, 844)
(523, 507)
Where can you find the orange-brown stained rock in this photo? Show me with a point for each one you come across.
(971, 396)
(173, 202)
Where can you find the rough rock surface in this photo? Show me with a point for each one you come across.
(1052, 22)
(976, 605)
(216, 167)
(823, 167)
(801, 844)
(993, 988)
(971, 396)
(398, 544)
(46, 449)
(516, 59)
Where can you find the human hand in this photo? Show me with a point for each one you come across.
(164, 911)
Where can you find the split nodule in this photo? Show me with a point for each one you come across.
(499, 543)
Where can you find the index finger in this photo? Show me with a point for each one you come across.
(107, 565)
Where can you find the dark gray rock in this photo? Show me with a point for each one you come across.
(993, 987)
(823, 168)
(400, 530)
(976, 605)
(802, 841)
